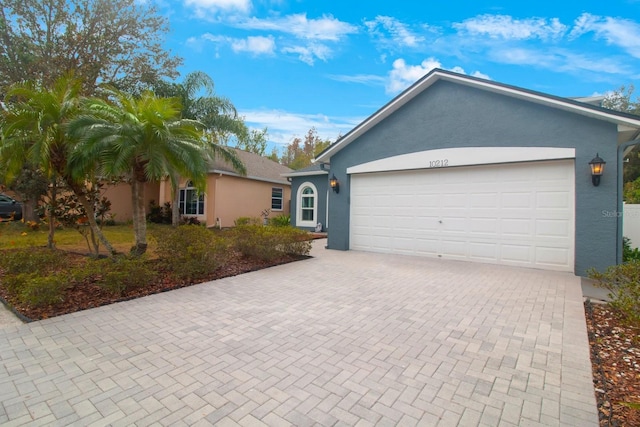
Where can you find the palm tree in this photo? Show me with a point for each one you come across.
(216, 113)
(34, 131)
(145, 139)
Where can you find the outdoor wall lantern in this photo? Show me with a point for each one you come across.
(334, 184)
(597, 167)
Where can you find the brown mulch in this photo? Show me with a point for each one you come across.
(615, 359)
(83, 296)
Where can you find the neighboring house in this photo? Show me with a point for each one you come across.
(309, 201)
(462, 168)
(228, 195)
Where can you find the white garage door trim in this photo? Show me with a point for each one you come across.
(520, 214)
(463, 156)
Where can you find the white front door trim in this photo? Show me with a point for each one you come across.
(463, 156)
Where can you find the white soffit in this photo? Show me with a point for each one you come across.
(463, 156)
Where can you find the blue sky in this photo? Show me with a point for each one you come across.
(291, 65)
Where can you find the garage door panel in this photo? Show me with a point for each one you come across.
(516, 254)
(553, 200)
(552, 256)
(489, 226)
(552, 228)
(516, 214)
(484, 200)
(483, 251)
(515, 200)
(454, 249)
(456, 200)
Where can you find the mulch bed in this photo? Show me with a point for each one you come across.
(89, 295)
(615, 359)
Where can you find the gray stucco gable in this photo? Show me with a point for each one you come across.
(316, 177)
(449, 114)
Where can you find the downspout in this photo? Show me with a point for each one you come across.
(621, 149)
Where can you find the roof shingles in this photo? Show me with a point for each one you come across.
(258, 167)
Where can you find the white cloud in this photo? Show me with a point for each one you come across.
(558, 60)
(283, 126)
(325, 28)
(219, 5)
(308, 54)
(366, 79)
(399, 33)
(256, 45)
(619, 32)
(403, 75)
(508, 28)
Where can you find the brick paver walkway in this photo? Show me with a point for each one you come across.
(346, 338)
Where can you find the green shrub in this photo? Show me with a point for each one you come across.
(623, 283)
(246, 220)
(294, 241)
(629, 253)
(118, 275)
(37, 291)
(29, 260)
(280, 221)
(14, 283)
(160, 214)
(269, 243)
(191, 252)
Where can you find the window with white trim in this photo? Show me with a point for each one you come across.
(276, 198)
(191, 202)
(307, 201)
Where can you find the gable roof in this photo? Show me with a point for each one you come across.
(628, 124)
(258, 168)
(317, 169)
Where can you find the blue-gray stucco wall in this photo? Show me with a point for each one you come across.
(322, 183)
(450, 115)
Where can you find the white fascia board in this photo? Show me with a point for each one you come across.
(463, 156)
(484, 84)
(310, 173)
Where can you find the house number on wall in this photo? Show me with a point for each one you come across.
(438, 163)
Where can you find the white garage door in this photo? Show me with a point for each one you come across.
(519, 214)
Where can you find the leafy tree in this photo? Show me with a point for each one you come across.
(146, 139)
(621, 100)
(216, 113)
(112, 41)
(30, 184)
(34, 130)
(254, 141)
(299, 153)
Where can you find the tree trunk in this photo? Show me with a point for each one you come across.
(29, 210)
(175, 208)
(95, 230)
(139, 217)
(51, 243)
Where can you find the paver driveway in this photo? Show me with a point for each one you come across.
(346, 338)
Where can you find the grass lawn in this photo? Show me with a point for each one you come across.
(15, 234)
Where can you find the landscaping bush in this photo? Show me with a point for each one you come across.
(35, 290)
(623, 283)
(629, 253)
(118, 275)
(29, 260)
(246, 220)
(280, 221)
(191, 252)
(269, 243)
(159, 214)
